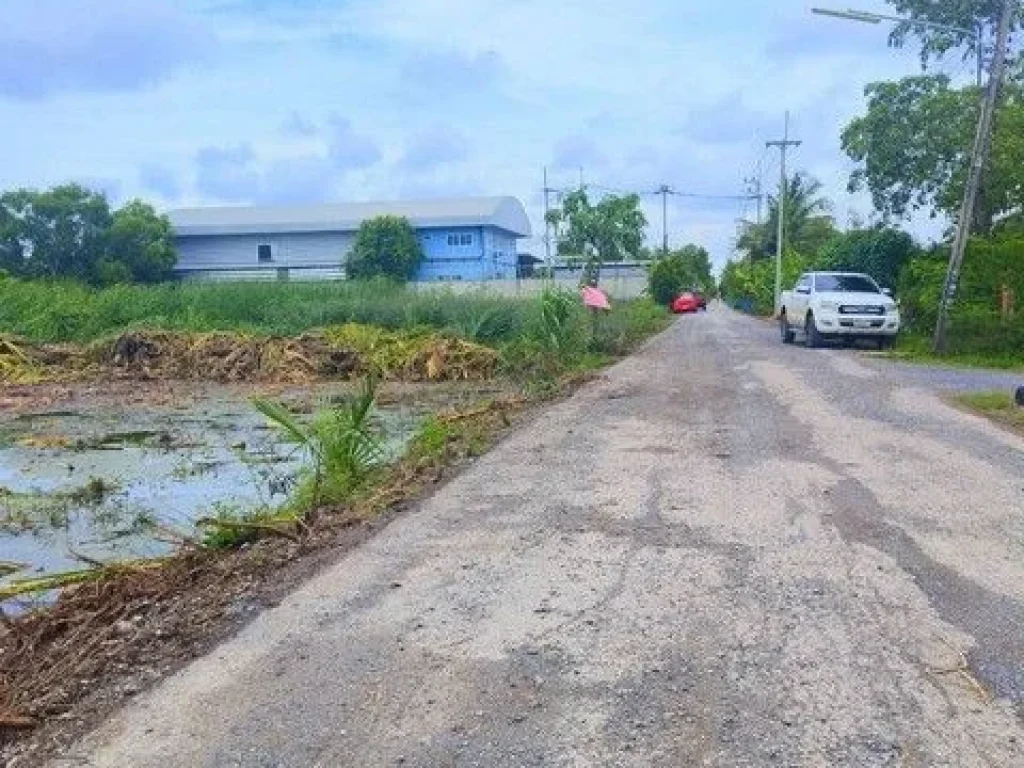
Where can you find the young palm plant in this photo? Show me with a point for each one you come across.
(342, 442)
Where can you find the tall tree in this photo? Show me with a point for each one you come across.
(139, 246)
(611, 230)
(57, 233)
(913, 147)
(808, 224)
(981, 15)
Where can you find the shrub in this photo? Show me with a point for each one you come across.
(668, 278)
(385, 246)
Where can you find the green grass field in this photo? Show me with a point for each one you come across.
(47, 312)
(65, 311)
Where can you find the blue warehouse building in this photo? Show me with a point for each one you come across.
(463, 239)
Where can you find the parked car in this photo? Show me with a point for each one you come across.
(838, 305)
(686, 302)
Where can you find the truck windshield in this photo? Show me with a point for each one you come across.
(845, 284)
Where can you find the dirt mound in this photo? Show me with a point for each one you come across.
(338, 352)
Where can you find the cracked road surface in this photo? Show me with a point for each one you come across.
(724, 552)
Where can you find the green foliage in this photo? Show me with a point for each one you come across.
(140, 244)
(750, 285)
(618, 332)
(964, 14)
(69, 232)
(430, 440)
(686, 269)
(808, 226)
(881, 253)
(66, 311)
(978, 325)
(231, 527)
(342, 443)
(385, 246)
(57, 233)
(913, 146)
(556, 329)
(611, 230)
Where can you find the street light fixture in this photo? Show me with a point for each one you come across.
(867, 17)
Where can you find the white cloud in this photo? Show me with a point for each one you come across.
(382, 98)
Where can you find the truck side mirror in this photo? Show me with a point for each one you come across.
(887, 292)
(803, 289)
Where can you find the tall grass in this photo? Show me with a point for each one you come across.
(66, 311)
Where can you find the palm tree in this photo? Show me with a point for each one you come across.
(808, 224)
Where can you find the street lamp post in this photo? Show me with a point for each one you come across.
(982, 140)
(866, 17)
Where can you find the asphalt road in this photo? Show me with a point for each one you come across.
(724, 552)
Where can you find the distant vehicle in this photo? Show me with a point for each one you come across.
(686, 302)
(838, 305)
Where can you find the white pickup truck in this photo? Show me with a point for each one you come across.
(838, 305)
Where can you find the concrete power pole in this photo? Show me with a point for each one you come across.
(979, 157)
(547, 226)
(664, 190)
(784, 144)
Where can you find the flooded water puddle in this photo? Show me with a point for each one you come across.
(109, 484)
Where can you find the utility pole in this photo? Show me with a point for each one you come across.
(784, 144)
(979, 157)
(664, 190)
(547, 225)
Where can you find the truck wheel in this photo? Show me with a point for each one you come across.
(814, 339)
(784, 328)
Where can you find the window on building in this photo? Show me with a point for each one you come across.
(263, 252)
(453, 240)
(465, 239)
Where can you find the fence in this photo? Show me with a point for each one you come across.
(617, 287)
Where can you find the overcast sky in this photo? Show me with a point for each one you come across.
(188, 102)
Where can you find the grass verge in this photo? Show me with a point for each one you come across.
(918, 349)
(995, 406)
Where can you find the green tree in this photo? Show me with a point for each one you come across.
(385, 246)
(808, 223)
(965, 14)
(881, 253)
(612, 230)
(139, 247)
(913, 146)
(57, 233)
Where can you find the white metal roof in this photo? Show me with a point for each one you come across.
(506, 213)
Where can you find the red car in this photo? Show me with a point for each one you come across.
(686, 302)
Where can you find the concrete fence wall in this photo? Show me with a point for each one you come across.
(616, 287)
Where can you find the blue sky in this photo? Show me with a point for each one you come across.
(188, 102)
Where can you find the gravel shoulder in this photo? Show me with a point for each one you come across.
(722, 552)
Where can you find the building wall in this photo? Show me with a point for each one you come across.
(467, 253)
